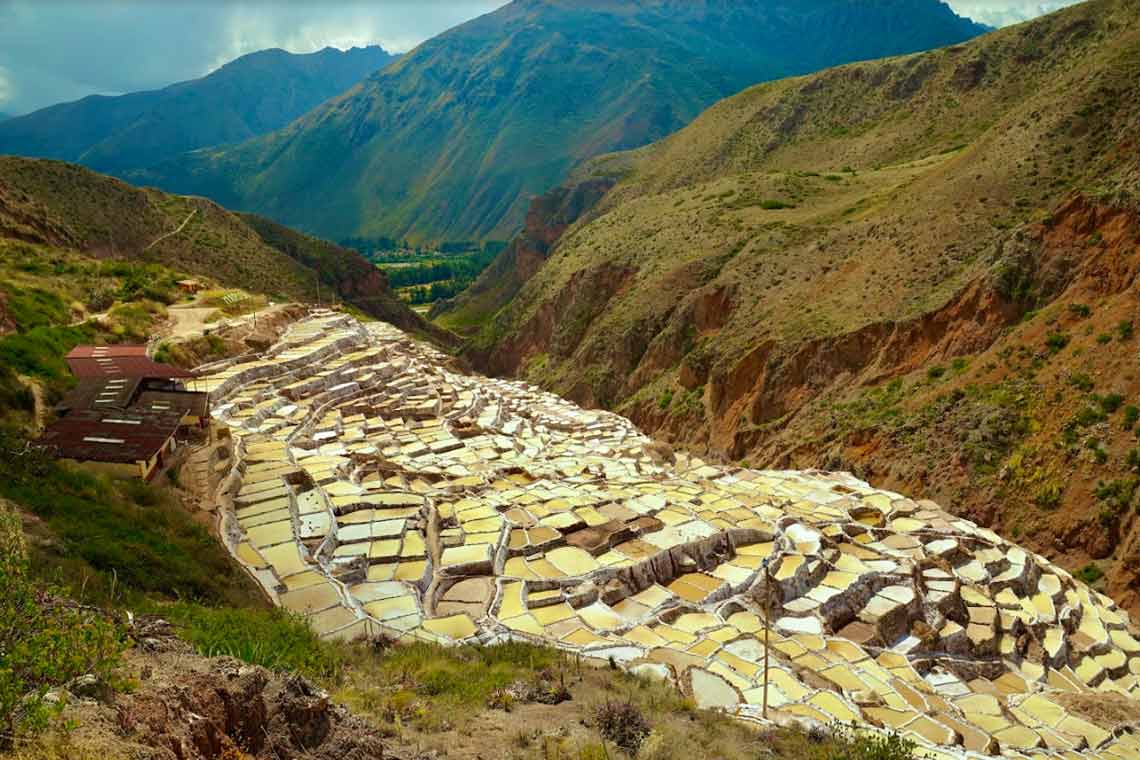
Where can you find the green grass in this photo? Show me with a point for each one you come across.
(33, 307)
(116, 539)
(272, 638)
(39, 352)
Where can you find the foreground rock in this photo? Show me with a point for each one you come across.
(187, 707)
(377, 492)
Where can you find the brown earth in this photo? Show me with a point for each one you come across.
(188, 707)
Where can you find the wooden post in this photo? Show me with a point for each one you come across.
(767, 627)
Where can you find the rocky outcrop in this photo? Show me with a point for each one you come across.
(188, 707)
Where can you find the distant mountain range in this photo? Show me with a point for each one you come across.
(249, 96)
(451, 141)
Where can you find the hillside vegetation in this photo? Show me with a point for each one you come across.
(919, 268)
(451, 141)
(66, 207)
(247, 97)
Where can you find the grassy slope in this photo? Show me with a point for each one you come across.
(938, 172)
(250, 96)
(451, 140)
(70, 207)
(930, 202)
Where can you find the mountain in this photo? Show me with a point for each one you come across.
(921, 269)
(71, 208)
(249, 96)
(452, 140)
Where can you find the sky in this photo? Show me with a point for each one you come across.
(59, 50)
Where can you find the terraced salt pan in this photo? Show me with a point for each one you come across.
(378, 491)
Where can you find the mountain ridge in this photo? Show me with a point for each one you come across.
(246, 97)
(452, 140)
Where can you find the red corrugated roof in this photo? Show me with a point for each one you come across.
(112, 351)
(115, 436)
(122, 366)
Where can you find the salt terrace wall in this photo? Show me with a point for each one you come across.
(378, 492)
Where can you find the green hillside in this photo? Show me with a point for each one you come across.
(250, 96)
(70, 208)
(451, 141)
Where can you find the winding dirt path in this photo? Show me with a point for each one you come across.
(181, 227)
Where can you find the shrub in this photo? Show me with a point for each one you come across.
(1049, 496)
(1089, 574)
(1124, 330)
(45, 641)
(774, 205)
(666, 400)
(859, 745)
(1081, 381)
(1080, 310)
(623, 724)
(1110, 402)
(1056, 341)
(1116, 496)
(1103, 338)
(935, 372)
(1131, 417)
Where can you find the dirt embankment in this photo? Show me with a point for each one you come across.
(188, 707)
(1042, 337)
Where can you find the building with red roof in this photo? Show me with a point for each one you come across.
(119, 361)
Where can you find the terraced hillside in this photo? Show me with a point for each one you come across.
(376, 491)
(451, 141)
(63, 206)
(920, 268)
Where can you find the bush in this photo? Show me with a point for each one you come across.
(45, 641)
(856, 745)
(1110, 402)
(1056, 341)
(1080, 310)
(1089, 574)
(1081, 381)
(1124, 330)
(623, 724)
(935, 372)
(1116, 496)
(1131, 417)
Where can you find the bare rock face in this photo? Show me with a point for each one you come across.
(222, 705)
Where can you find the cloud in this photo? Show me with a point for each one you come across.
(1006, 12)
